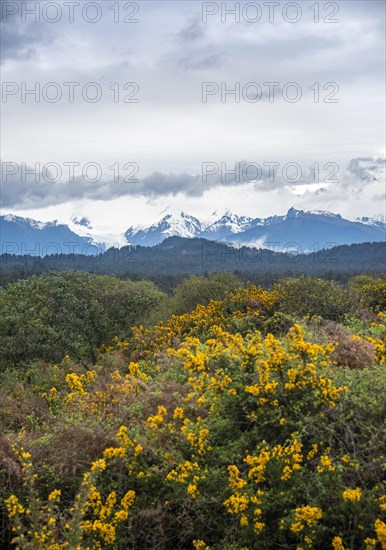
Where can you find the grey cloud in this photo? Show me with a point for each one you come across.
(17, 44)
(195, 61)
(46, 192)
(381, 197)
(354, 182)
(32, 194)
(367, 169)
(22, 40)
(192, 31)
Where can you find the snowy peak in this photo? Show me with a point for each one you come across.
(297, 226)
(182, 225)
(294, 213)
(230, 222)
(377, 220)
(23, 236)
(307, 229)
(28, 222)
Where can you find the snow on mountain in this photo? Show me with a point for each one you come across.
(82, 226)
(230, 222)
(377, 220)
(297, 229)
(324, 213)
(170, 225)
(28, 222)
(25, 236)
(306, 229)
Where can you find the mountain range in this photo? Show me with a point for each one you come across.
(296, 231)
(23, 236)
(299, 230)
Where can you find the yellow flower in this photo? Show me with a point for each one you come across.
(55, 495)
(380, 529)
(353, 495)
(128, 500)
(98, 465)
(121, 515)
(337, 543)
(325, 464)
(13, 506)
(192, 490)
(306, 516)
(258, 526)
(107, 509)
(138, 449)
(155, 421)
(235, 481)
(114, 452)
(244, 520)
(382, 503)
(200, 545)
(178, 413)
(74, 383)
(236, 503)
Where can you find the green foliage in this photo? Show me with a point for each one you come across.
(200, 290)
(371, 291)
(55, 314)
(312, 296)
(243, 424)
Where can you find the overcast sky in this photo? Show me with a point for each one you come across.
(162, 128)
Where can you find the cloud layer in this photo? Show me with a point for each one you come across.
(168, 56)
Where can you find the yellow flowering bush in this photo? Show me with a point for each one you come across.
(36, 525)
(206, 431)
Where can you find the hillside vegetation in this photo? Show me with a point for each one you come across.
(177, 256)
(223, 417)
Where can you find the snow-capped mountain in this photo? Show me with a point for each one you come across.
(226, 224)
(376, 221)
(297, 229)
(27, 236)
(169, 226)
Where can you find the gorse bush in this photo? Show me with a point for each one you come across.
(371, 291)
(204, 431)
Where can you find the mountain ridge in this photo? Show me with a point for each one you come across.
(298, 230)
(304, 228)
(178, 255)
(20, 235)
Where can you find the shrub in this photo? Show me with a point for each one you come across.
(313, 297)
(55, 314)
(371, 291)
(350, 349)
(201, 290)
(218, 436)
